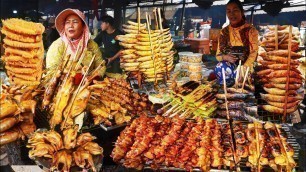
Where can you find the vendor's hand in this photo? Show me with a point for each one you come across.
(110, 60)
(229, 58)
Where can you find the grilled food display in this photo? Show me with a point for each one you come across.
(64, 98)
(198, 102)
(114, 100)
(230, 158)
(240, 101)
(66, 150)
(147, 53)
(173, 142)
(205, 144)
(268, 146)
(23, 51)
(17, 113)
(269, 37)
(273, 71)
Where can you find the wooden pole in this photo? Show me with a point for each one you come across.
(237, 75)
(151, 47)
(276, 37)
(245, 77)
(229, 120)
(288, 73)
(138, 18)
(162, 31)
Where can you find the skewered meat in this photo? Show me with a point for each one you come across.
(54, 139)
(238, 114)
(61, 99)
(84, 159)
(277, 98)
(8, 108)
(272, 134)
(93, 148)
(27, 128)
(250, 132)
(62, 161)
(49, 92)
(70, 135)
(277, 91)
(282, 105)
(281, 67)
(282, 132)
(289, 149)
(283, 86)
(233, 105)
(232, 96)
(84, 138)
(42, 150)
(280, 59)
(8, 123)
(282, 80)
(242, 151)
(284, 73)
(28, 106)
(10, 136)
(284, 53)
(239, 137)
(124, 141)
(274, 109)
(276, 149)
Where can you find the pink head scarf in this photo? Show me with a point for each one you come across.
(60, 27)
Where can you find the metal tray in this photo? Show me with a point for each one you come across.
(106, 128)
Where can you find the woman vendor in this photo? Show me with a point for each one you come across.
(238, 41)
(74, 33)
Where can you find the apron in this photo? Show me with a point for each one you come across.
(242, 52)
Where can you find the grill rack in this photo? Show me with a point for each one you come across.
(265, 115)
(243, 163)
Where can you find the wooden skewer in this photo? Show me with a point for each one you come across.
(162, 31)
(257, 145)
(225, 93)
(276, 37)
(67, 75)
(228, 118)
(150, 20)
(237, 75)
(288, 73)
(138, 18)
(78, 89)
(245, 77)
(283, 149)
(155, 18)
(151, 47)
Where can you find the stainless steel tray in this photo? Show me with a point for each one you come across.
(106, 128)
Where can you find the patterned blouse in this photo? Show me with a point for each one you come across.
(245, 35)
(57, 48)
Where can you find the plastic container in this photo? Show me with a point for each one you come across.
(194, 67)
(184, 56)
(184, 73)
(195, 58)
(195, 76)
(184, 65)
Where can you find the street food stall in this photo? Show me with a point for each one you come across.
(160, 114)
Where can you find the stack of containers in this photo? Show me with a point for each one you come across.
(184, 62)
(191, 65)
(195, 67)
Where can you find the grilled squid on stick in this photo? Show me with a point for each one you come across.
(10, 136)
